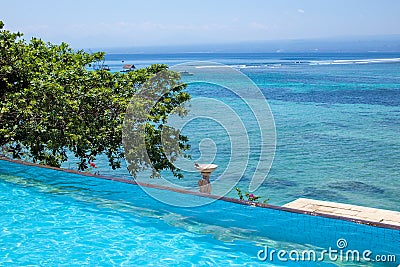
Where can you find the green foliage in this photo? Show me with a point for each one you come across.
(51, 103)
(250, 197)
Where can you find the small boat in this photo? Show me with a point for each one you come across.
(105, 67)
(186, 73)
(100, 66)
(128, 67)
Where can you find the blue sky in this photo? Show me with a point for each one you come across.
(100, 23)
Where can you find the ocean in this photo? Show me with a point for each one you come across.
(337, 119)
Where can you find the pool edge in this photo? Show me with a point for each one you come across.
(223, 198)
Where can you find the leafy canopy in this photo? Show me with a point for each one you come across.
(52, 104)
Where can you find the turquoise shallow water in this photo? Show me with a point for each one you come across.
(52, 218)
(337, 122)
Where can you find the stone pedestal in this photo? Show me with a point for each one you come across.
(204, 183)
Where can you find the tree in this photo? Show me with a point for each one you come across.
(52, 103)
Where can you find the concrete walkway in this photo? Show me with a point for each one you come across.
(346, 210)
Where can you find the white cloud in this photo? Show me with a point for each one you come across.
(300, 10)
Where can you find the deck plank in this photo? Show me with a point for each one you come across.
(346, 210)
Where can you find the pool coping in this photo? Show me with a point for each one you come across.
(223, 198)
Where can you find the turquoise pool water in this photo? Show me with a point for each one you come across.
(54, 218)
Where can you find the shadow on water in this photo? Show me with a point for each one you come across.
(350, 186)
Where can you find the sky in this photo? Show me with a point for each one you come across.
(130, 23)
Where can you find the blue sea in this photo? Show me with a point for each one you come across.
(337, 119)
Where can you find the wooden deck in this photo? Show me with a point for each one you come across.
(346, 210)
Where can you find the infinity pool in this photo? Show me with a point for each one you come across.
(55, 218)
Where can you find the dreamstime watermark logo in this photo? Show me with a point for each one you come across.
(340, 253)
(243, 113)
